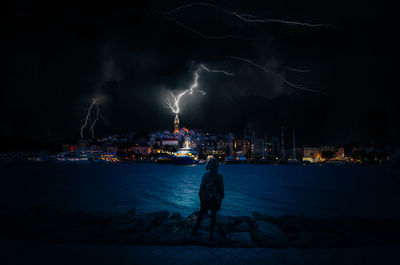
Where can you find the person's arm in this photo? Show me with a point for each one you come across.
(202, 185)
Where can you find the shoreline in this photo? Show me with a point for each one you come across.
(39, 223)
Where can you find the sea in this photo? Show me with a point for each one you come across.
(312, 190)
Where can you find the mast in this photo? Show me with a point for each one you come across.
(283, 147)
(230, 145)
(253, 144)
(294, 146)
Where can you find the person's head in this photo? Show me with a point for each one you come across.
(212, 165)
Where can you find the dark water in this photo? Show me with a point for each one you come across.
(271, 189)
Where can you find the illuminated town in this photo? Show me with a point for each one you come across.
(198, 145)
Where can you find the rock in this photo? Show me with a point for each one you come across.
(241, 239)
(268, 235)
(241, 219)
(156, 218)
(102, 219)
(257, 217)
(243, 227)
(122, 219)
(131, 212)
(170, 232)
(224, 224)
(139, 226)
(79, 218)
(175, 216)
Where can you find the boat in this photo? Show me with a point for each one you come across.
(185, 156)
(164, 159)
(230, 160)
(241, 158)
(292, 161)
(73, 157)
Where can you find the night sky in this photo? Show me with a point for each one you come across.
(56, 57)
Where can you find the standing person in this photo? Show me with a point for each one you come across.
(211, 194)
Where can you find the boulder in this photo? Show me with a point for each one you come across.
(243, 227)
(241, 219)
(257, 217)
(131, 212)
(122, 219)
(102, 219)
(268, 235)
(171, 232)
(156, 218)
(79, 218)
(175, 216)
(241, 239)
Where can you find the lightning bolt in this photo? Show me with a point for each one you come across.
(254, 19)
(95, 120)
(298, 70)
(284, 80)
(87, 117)
(215, 71)
(246, 18)
(95, 103)
(173, 102)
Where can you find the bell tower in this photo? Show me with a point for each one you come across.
(176, 124)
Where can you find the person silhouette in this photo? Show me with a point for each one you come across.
(211, 194)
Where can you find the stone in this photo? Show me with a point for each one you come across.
(131, 212)
(268, 235)
(241, 239)
(102, 219)
(122, 219)
(257, 217)
(243, 227)
(175, 216)
(156, 218)
(241, 219)
(79, 218)
(224, 224)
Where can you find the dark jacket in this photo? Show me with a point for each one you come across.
(218, 182)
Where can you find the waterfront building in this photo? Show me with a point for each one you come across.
(312, 154)
(259, 148)
(170, 142)
(141, 149)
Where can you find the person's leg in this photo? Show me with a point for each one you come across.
(212, 222)
(199, 219)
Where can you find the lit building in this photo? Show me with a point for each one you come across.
(312, 154)
(176, 124)
(141, 149)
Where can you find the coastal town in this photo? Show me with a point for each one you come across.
(192, 146)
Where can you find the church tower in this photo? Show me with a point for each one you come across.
(176, 124)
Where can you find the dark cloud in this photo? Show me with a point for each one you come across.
(56, 58)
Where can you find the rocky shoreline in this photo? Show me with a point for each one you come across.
(164, 228)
